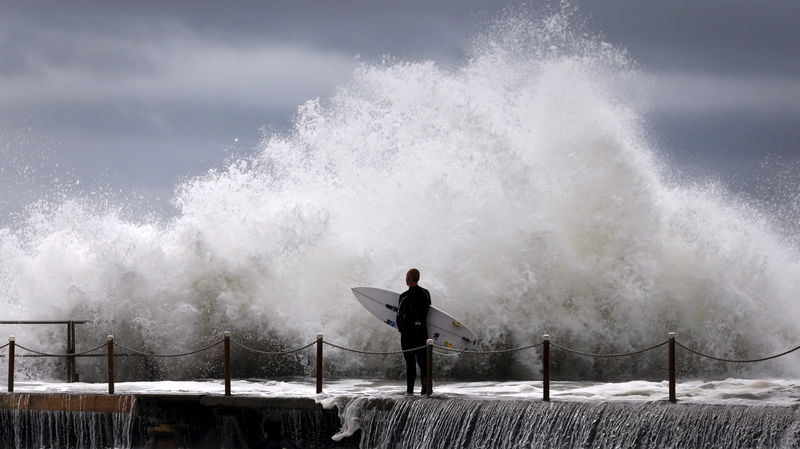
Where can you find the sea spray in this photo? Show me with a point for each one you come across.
(521, 183)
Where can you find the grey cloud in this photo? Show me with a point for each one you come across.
(730, 146)
(717, 36)
(182, 69)
(700, 93)
(371, 28)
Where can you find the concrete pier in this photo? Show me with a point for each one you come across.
(163, 420)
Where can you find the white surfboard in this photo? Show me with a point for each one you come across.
(442, 328)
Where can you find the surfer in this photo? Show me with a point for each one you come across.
(412, 317)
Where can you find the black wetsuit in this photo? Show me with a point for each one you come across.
(412, 317)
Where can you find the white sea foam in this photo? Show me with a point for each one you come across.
(774, 392)
(521, 183)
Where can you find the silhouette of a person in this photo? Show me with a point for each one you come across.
(412, 322)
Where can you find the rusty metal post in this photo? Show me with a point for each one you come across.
(110, 363)
(319, 363)
(227, 367)
(545, 367)
(429, 367)
(671, 367)
(12, 343)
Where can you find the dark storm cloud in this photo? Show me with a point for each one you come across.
(143, 98)
(417, 28)
(720, 36)
(728, 63)
(700, 93)
(83, 66)
(728, 138)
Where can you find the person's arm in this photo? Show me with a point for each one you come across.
(397, 317)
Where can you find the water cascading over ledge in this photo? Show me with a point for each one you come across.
(200, 421)
(136, 421)
(67, 421)
(498, 424)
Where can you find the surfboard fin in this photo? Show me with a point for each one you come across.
(449, 345)
(457, 324)
(391, 307)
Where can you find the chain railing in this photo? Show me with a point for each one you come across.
(226, 341)
(360, 351)
(45, 354)
(611, 355)
(488, 351)
(154, 355)
(721, 359)
(263, 352)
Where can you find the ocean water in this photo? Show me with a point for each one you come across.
(731, 391)
(523, 183)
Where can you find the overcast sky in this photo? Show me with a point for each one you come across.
(137, 95)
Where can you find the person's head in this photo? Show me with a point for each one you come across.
(412, 277)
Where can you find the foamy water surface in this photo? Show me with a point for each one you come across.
(784, 392)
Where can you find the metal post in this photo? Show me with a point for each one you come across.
(319, 363)
(429, 366)
(227, 367)
(110, 363)
(545, 367)
(71, 350)
(69, 345)
(75, 377)
(671, 365)
(11, 346)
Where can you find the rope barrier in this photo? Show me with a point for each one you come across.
(358, 351)
(600, 355)
(720, 359)
(259, 351)
(146, 354)
(45, 354)
(488, 351)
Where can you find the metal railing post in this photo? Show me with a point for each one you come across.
(227, 363)
(429, 367)
(319, 363)
(671, 367)
(11, 347)
(110, 362)
(71, 350)
(545, 367)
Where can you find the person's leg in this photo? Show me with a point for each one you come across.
(422, 361)
(411, 369)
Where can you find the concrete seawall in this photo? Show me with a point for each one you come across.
(380, 416)
(164, 421)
